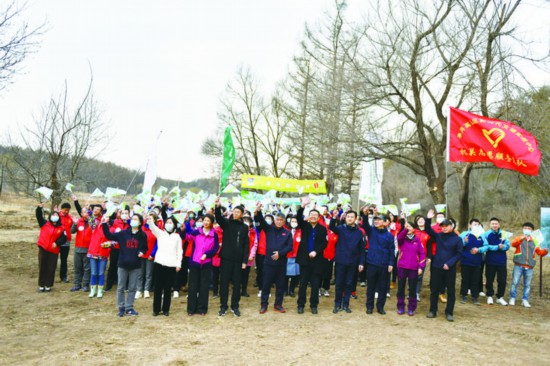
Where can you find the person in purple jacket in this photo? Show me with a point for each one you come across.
(200, 264)
(410, 265)
(443, 272)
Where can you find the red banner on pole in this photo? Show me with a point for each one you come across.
(473, 138)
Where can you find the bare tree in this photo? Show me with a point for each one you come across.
(17, 40)
(53, 148)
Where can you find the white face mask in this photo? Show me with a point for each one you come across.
(134, 223)
(169, 227)
(55, 218)
(294, 225)
(124, 217)
(198, 224)
(269, 222)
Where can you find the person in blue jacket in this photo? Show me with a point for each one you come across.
(443, 272)
(495, 261)
(279, 243)
(470, 264)
(380, 259)
(349, 248)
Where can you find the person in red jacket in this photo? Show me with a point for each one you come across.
(64, 248)
(292, 268)
(97, 254)
(52, 234)
(81, 262)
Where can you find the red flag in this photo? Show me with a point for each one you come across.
(472, 138)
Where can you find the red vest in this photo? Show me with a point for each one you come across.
(151, 241)
(98, 238)
(297, 239)
(48, 235)
(67, 222)
(262, 243)
(83, 234)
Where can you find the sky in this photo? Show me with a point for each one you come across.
(163, 66)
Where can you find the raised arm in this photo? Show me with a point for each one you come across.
(40, 216)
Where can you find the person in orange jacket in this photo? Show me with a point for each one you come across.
(524, 262)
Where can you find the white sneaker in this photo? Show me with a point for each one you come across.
(376, 295)
(469, 292)
(388, 294)
(146, 295)
(326, 293)
(501, 301)
(138, 295)
(418, 297)
(512, 301)
(363, 284)
(490, 300)
(260, 293)
(176, 294)
(482, 294)
(525, 303)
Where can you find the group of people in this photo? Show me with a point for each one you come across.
(216, 247)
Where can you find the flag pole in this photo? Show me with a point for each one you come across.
(447, 156)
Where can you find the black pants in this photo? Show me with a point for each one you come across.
(199, 279)
(215, 280)
(500, 271)
(181, 277)
(244, 280)
(47, 264)
(230, 272)
(470, 281)
(63, 255)
(327, 275)
(292, 282)
(259, 269)
(439, 279)
(377, 281)
(480, 284)
(163, 278)
(112, 273)
(309, 275)
(274, 274)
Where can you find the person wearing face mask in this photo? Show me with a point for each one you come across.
(347, 253)
(474, 243)
(253, 248)
(133, 245)
(524, 261)
(64, 248)
(167, 258)
(81, 262)
(410, 264)
(206, 245)
(52, 235)
(420, 232)
(380, 260)
(292, 268)
(278, 245)
(145, 276)
(443, 270)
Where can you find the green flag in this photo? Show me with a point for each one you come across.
(228, 158)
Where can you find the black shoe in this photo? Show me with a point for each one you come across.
(236, 312)
(263, 309)
(222, 312)
(245, 294)
(107, 288)
(450, 318)
(300, 309)
(463, 299)
(335, 310)
(155, 313)
(314, 311)
(431, 315)
(347, 310)
(65, 280)
(381, 311)
(369, 311)
(215, 295)
(166, 313)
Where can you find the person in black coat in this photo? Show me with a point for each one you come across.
(233, 255)
(310, 256)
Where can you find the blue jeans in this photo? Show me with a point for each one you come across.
(97, 272)
(527, 277)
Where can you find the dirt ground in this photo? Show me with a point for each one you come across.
(65, 328)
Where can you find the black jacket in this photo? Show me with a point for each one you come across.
(319, 245)
(235, 243)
